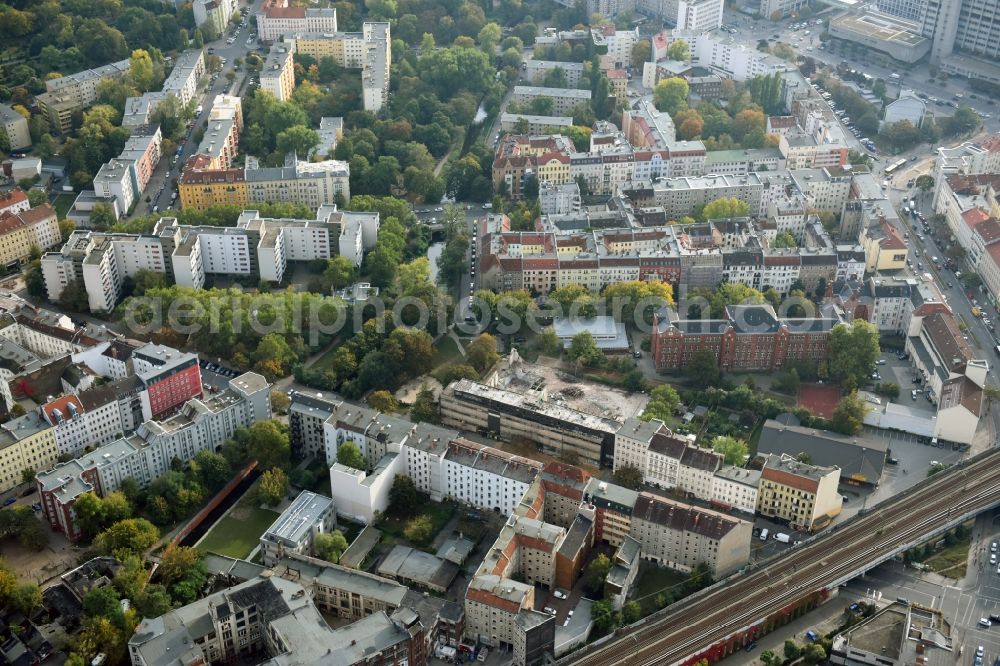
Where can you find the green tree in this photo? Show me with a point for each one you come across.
(211, 468)
(404, 499)
(604, 616)
(133, 536)
(176, 562)
(89, 510)
(663, 402)
(141, 71)
(769, 658)
(330, 546)
(632, 611)
(349, 454)
(791, 650)
(549, 343)
(383, 401)
(670, 95)
(849, 415)
(596, 572)
(629, 476)
(853, 351)
(102, 216)
(642, 50)
(481, 353)
(734, 450)
(267, 443)
(425, 407)
(297, 139)
(679, 50)
(26, 598)
(725, 208)
(419, 530)
(784, 239)
(703, 369)
(583, 348)
(925, 182)
(813, 653)
(272, 487)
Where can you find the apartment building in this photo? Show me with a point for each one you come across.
(212, 16)
(563, 99)
(611, 506)
(66, 95)
(21, 232)
(669, 461)
(369, 50)
(147, 454)
(749, 338)
(220, 143)
(202, 188)
(331, 131)
(513, 122)
(27, 443)
(677, 196)
(682, 536)
(270, 616)
(312, 184)
(275, 18)
(48, 334)
(804, 496)
(182, 83)
(170, 377)
(14, 201)
(615, 44)
(535, 71)
(293, 531)
(186, 255)
(143, 152)
(94, 416)
(15, 127)
(114, 181)
(277, 75)
(884, 249)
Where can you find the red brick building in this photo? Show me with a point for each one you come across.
(749, 337)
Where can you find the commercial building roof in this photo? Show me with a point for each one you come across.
(299, 518)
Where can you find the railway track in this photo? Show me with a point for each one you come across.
(751, 597)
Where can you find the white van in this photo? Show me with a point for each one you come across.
(764, 534)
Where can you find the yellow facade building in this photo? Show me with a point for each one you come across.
(26, 443)
(200, 189)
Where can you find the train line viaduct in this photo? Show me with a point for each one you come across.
(726, 616)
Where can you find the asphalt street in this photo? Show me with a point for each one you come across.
(161, 186)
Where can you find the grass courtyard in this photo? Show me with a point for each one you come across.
(62, 204)
(653, 580)
(238, 532)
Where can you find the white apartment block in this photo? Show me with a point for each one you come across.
(114, 181)
(182, 82)
(536, 70)
(563, 99)
(618, 43)
(15, 126)
(255, 247)
(277, 76)
(699, 15)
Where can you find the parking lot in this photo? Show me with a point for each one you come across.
(215, 375)
(901, 373)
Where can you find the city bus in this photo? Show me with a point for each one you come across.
(895, 166)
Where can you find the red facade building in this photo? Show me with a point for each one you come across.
(170, 377)
(748, 338)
